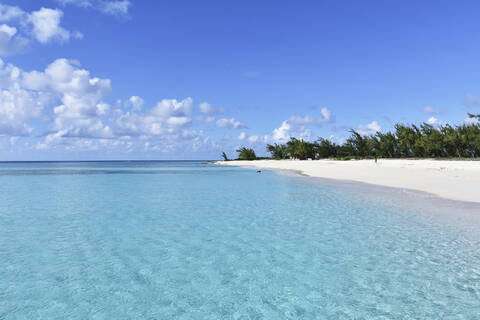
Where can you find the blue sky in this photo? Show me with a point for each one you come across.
(101, 79)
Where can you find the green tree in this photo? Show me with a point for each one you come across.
(224, 156)
(359, 144)
(387, 145)
(278, 151)
(406, 140)
(246, 154)
(300, 149)
(324, 148)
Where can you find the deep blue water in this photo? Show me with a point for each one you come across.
(185, 240)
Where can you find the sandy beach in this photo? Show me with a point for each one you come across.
(456, 180)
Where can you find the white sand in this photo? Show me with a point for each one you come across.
(458, 180)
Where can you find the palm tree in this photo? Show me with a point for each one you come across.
(224, 156)
(246, 154)
(424, 140)
(278, 151)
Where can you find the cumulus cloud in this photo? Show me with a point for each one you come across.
(206, 119)
(68, 107)
(43, 25)
(79, 144)
(432, 121)
(46, 25)
(369, 129)
(9, 13)
(81, 108)
(208, 109)
(326, 115)
(18, 105)
(298, 126)
(9, 31)
(230, 123)
(9, 42)
(252, 139)
(63, 93)
(283, 133)
(242, 136)
(168, 117)
(135, 102)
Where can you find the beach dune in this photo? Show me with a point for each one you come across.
(457, 180)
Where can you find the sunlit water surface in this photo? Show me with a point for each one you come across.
(185, 240)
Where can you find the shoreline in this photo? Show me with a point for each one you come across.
(450, 179)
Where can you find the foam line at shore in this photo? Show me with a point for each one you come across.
(456, 180)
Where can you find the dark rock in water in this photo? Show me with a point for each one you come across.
(259, 171)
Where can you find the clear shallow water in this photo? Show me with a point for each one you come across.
(183, 240)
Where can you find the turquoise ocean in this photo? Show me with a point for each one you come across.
(187, 240)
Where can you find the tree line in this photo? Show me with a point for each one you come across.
(405, 141)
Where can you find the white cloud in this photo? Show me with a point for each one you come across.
(43, 25)
(178, 121)
(8, 30)
(9, 43)
(301, 121)
(208, 119)
(116, 7)
(78, 35)
(8, 13)
(46, 25)
(135, 102)
(369, 129)
(242, 136)
(208, 109)
(282, 133)
(432, 110)
(81, 96)
(79, 144)
(81, 108)
(173, 108)
(230, 123)
(68, 107)
(79, 3)
(113, 7)
(469, 121)
(293, 127)
(325, 117)
(168, 117)
(17, 104)
(297, 126)
(432, 120)
(252, 139)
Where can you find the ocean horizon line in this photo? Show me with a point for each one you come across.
(67, 161)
